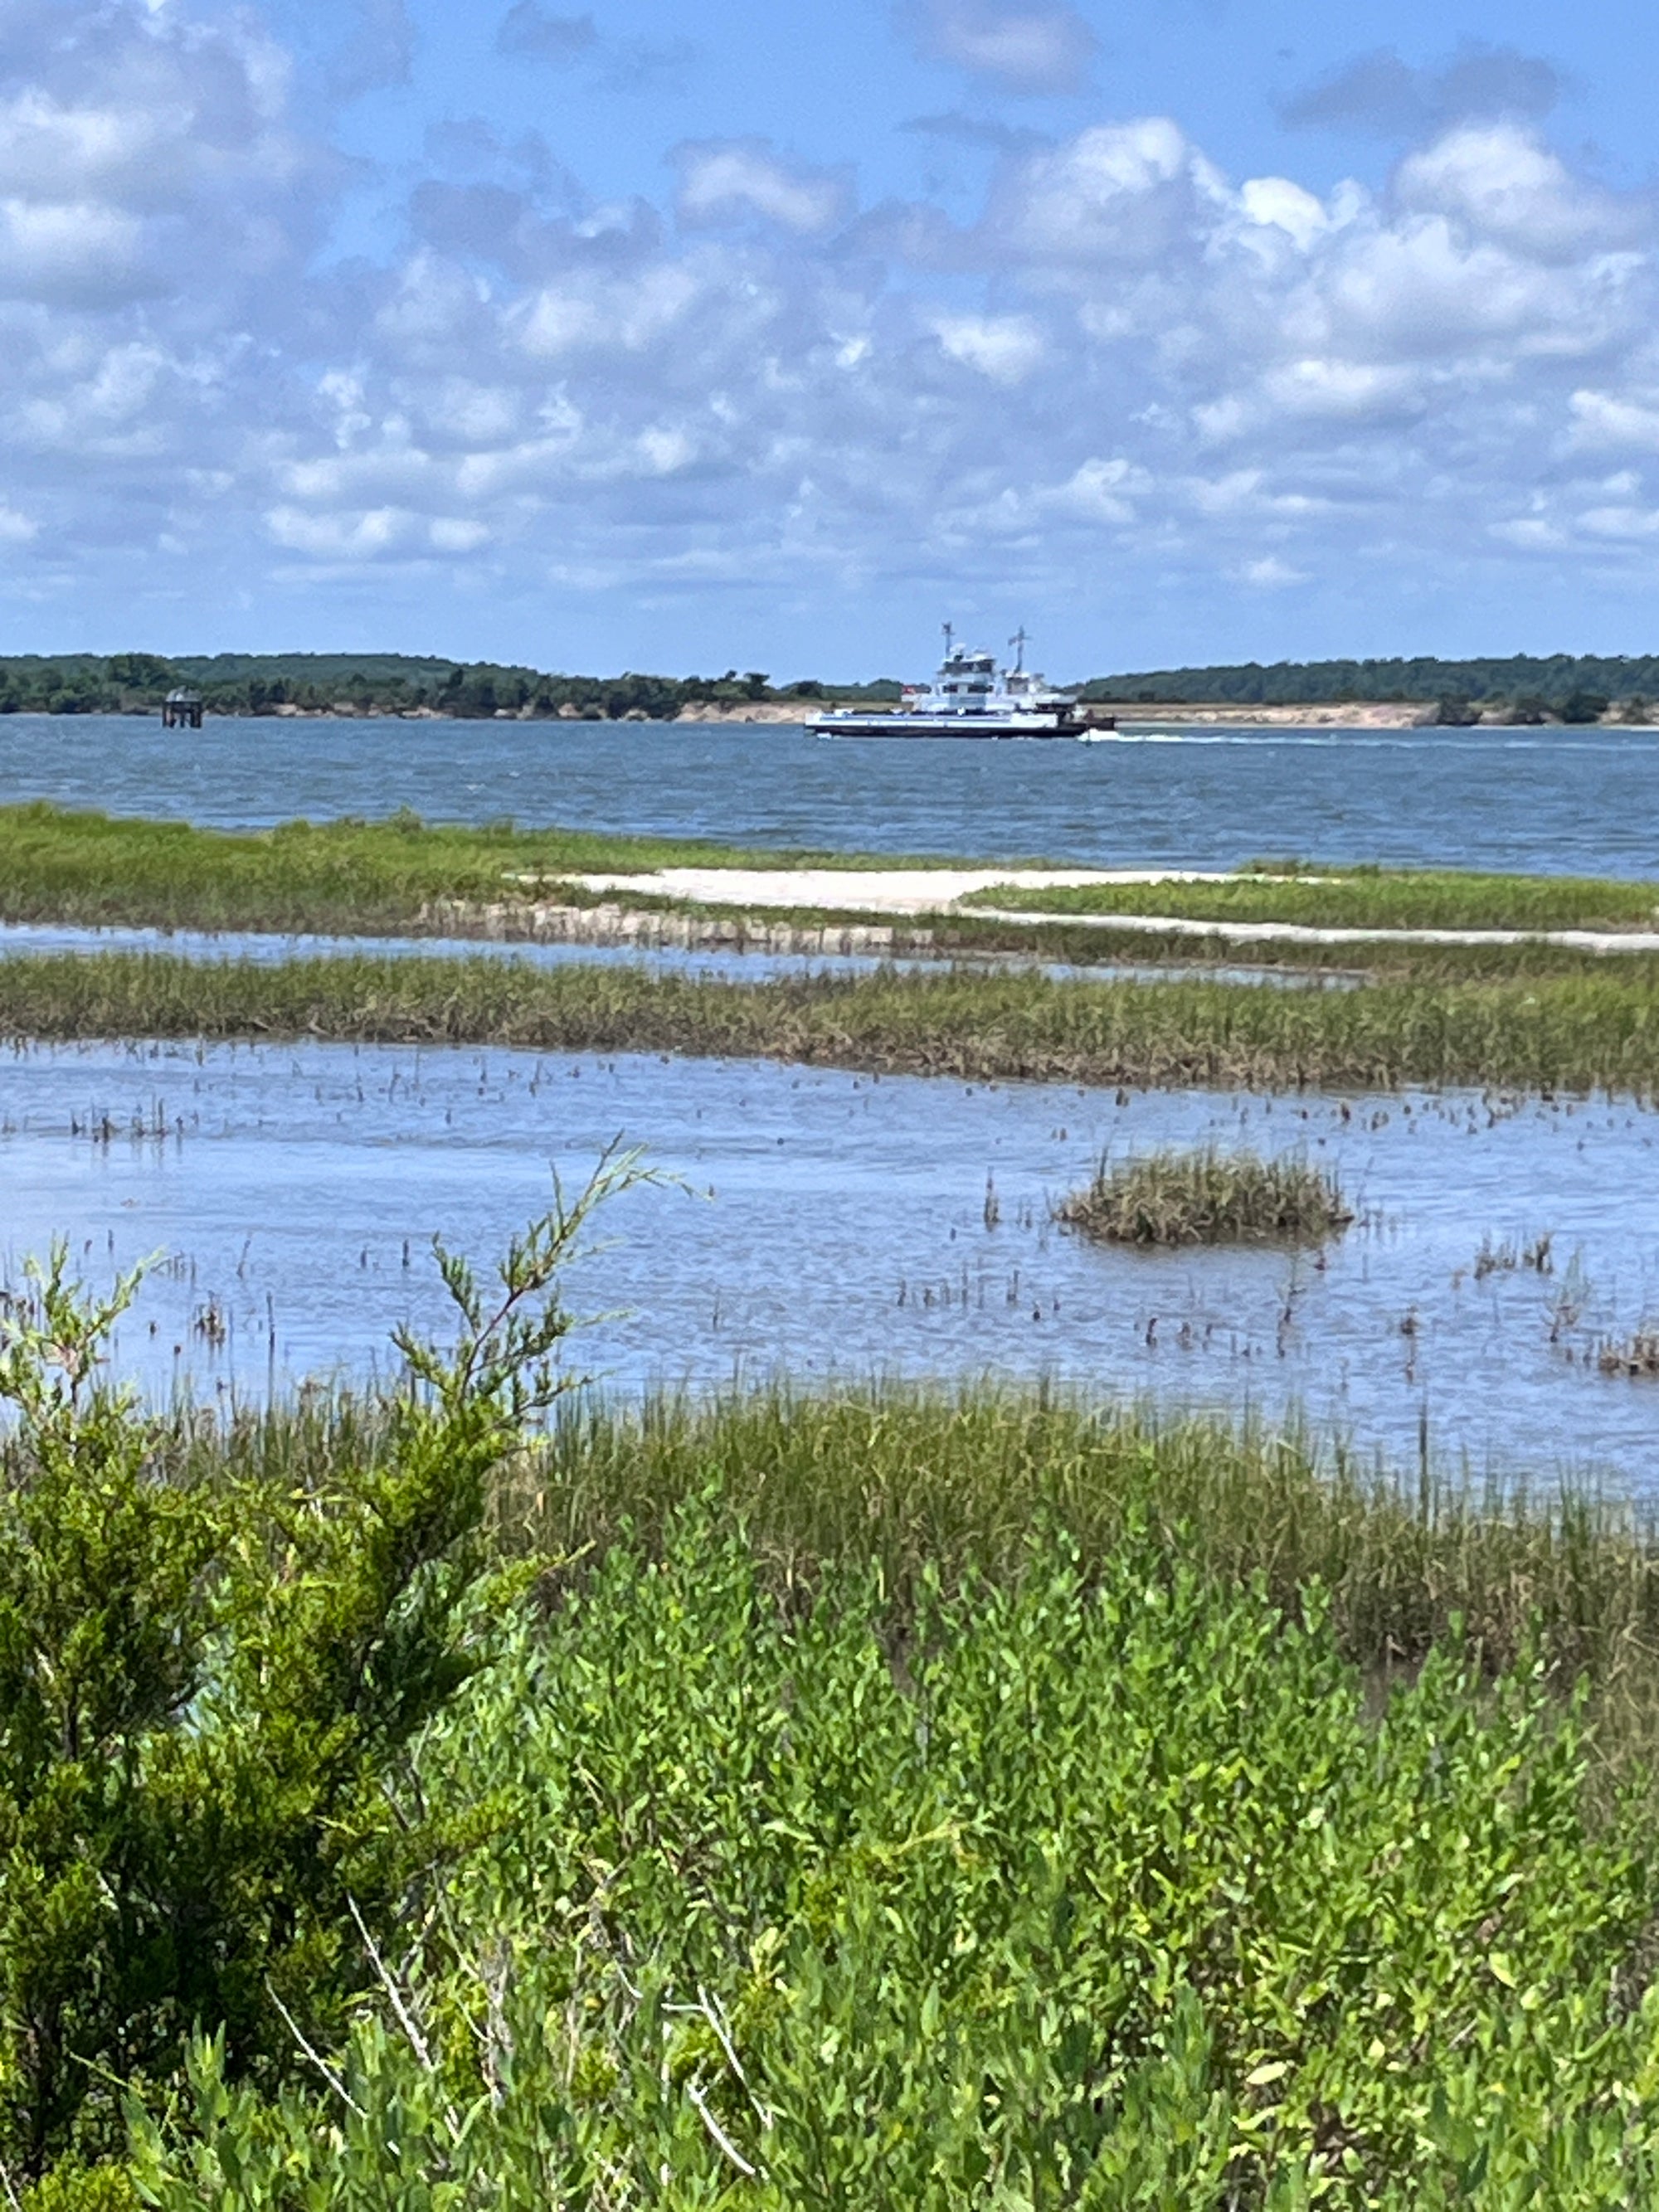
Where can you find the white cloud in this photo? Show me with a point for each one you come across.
(1499, 181)
(598, 313)
(1270, 574)
(73, 252)
(723, 181)
(1007, 348)
(335, 538)
(1620, 521)
(1530, 532)
(663, 450)
(1264, 382)
(1344, 390)
(1277, 202)
(1601, 419)
(1104, 491)
(454, 533)
(1116, 192)
(1031, 48)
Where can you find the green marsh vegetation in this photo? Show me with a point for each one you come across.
(1580, 1029)
(881, 1799)
(1208, 1196)
(58, 866)
(1362, 898)
(401, 874)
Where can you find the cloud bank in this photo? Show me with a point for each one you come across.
(1126, 360)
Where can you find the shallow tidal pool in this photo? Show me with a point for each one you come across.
(835, 1224)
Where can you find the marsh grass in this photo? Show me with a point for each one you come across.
(60, 866)
(1347, 898)
(1208, 1196)
(400, 874)
(1574, 1032)
(931, 1485)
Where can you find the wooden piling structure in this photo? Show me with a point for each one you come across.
(182, 710)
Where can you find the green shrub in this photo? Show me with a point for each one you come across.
(207, 1692)
(1100, 1892)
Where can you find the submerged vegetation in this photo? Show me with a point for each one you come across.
(872, 1800)
(1208, 1197)
(1637, 1355)
(1576, 1030)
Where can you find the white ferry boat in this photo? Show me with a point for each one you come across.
(970, 697)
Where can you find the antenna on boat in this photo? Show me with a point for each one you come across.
(950, 630)
(1019, 641)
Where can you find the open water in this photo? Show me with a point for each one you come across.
(1550, 800)
(835, 1224)
(841, 1224)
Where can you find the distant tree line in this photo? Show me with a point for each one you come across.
(1562, 687)
(384, 684)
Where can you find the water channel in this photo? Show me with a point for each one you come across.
(261, 948)
(841, 1225)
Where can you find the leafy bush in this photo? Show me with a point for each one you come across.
(711, 1870)
(1098, 1892)
(207, 1691)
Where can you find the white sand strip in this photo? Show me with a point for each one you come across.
(936, 890)
(1297, 933)
(872, 890)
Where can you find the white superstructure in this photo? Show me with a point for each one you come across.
(970, 696)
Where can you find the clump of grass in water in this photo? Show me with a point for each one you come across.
(1208, 1197)
(1639, 1355)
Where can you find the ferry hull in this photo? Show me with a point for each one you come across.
(943, 725)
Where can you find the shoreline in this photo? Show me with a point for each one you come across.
(401, 876)
(1141, 716)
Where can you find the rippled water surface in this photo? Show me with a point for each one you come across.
(1552, 799)
(840, 1222)
(268, 949)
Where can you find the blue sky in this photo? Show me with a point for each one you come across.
(629, 335)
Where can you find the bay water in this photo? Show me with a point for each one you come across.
(1552, 800)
